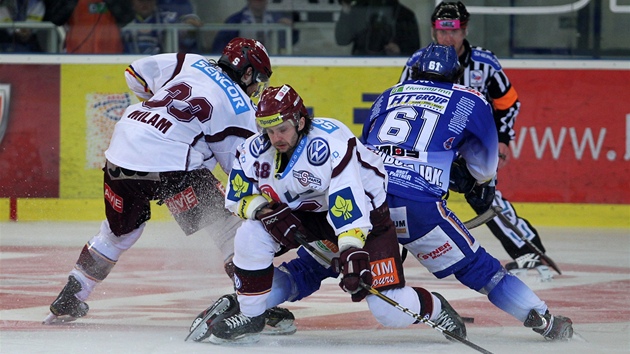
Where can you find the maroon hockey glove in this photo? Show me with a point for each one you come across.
(281, 224)
(354, 265)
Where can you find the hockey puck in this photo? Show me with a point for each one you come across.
(468, 319)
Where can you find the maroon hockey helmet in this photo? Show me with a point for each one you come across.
(450, 16)
(279, 104)
(241, 53)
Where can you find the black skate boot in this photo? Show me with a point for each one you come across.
(201, 328)
(67, 307)
(449, 319)
(238, 329)
(549, 326)
(279, 321)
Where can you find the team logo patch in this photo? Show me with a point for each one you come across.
(384, 273)
(476, 78)
(268, 190)
(238, 284)
(318, 151)
(182, 201)
(240, 186)
(259, 146)
(306, 178)
(448, 144)
(343, 209)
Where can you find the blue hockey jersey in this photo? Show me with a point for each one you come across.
(418, 127)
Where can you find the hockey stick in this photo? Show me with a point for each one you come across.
(302, 241)
(529, 243)
(480, 219)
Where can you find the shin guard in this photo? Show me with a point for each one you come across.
(253, 288)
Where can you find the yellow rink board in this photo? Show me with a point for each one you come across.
(330, 91)
(539, 214)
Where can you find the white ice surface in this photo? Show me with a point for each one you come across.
(159, 329)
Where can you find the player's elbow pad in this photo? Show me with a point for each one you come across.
(249, 205)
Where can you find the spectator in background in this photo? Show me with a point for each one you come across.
(255, 12)
(150, 41)
(185, 13)
(20, 39)
(183, 9)
(92, 26)
(377, 27)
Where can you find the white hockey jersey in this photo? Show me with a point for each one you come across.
(330, 170)
(194, 116)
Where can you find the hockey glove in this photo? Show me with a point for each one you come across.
(461, 181)
(354, 265)
(481, 196)
(281, 224)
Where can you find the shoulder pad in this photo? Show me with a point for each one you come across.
(485, 56)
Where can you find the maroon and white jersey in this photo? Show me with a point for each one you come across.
(194, 116)
(329, 170)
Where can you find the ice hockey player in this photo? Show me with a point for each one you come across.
(192, 116)
(483, 72)
(419, 127)
(312, 176)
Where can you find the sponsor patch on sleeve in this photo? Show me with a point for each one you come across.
(343, 208)
(240, 186)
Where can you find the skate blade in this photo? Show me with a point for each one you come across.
(578, 337)
(52, 319)
(240, 340)
(279, 330)
(199, 328)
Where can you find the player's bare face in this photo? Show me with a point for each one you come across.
(283, 137)
(454, 38)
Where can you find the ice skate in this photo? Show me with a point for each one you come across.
(279, 321)
(449, 319)
(201, 328)
(528, 261)
(238, 329)
(549, 326)
(66, 307)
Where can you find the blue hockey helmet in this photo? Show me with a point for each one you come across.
(437, 62)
